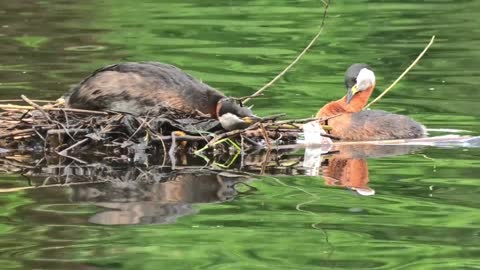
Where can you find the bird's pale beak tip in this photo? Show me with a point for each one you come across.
(349, 97)
(351, 92)
(251, 119)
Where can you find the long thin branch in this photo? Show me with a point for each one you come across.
(403, 74)
(260, 91)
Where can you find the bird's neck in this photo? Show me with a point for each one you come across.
(340, 106)
(347, 172)
(358, 102)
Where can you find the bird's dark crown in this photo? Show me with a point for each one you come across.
(352, 74)
(230, 105)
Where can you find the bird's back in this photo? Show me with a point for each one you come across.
(375, 125)
(139, 87)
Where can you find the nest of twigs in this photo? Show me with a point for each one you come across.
(68, 132)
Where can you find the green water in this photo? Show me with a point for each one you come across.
(424, 214)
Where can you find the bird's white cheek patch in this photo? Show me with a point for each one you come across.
(365, 79)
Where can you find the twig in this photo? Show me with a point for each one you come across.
(273, 117)
(64, 151)
(270, 134)
(77, 111)
(36, 106)
(242, 152)
(164, 151)
(251, 141)
(231, 133)
(34, 100)
(293, 121)
(66, 118)
(39, 135)
(171, 152)
(331, 137)
(265, 137)
(15, 107)
(403, 74)
(63, 131)
(322, 24)
(20, 107)
(17, 132)
(180, 138)
(74, 158)
(144, 122)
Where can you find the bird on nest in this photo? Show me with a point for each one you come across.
(146, 87)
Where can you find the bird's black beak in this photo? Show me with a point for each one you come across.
(351, 92)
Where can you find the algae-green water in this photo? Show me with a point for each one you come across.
(425, 213)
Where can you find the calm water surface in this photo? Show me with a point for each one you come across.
(424, 214)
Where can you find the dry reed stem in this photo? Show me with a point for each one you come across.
(403, 74)
(34, 100)
(312, 42)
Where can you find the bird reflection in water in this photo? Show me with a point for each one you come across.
(346, 165)
(161, 201)
(160, 195)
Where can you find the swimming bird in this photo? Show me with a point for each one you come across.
(350, 122)
(146, 87)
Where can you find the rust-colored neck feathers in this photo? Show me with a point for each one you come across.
(346, 173)
(357, 103)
